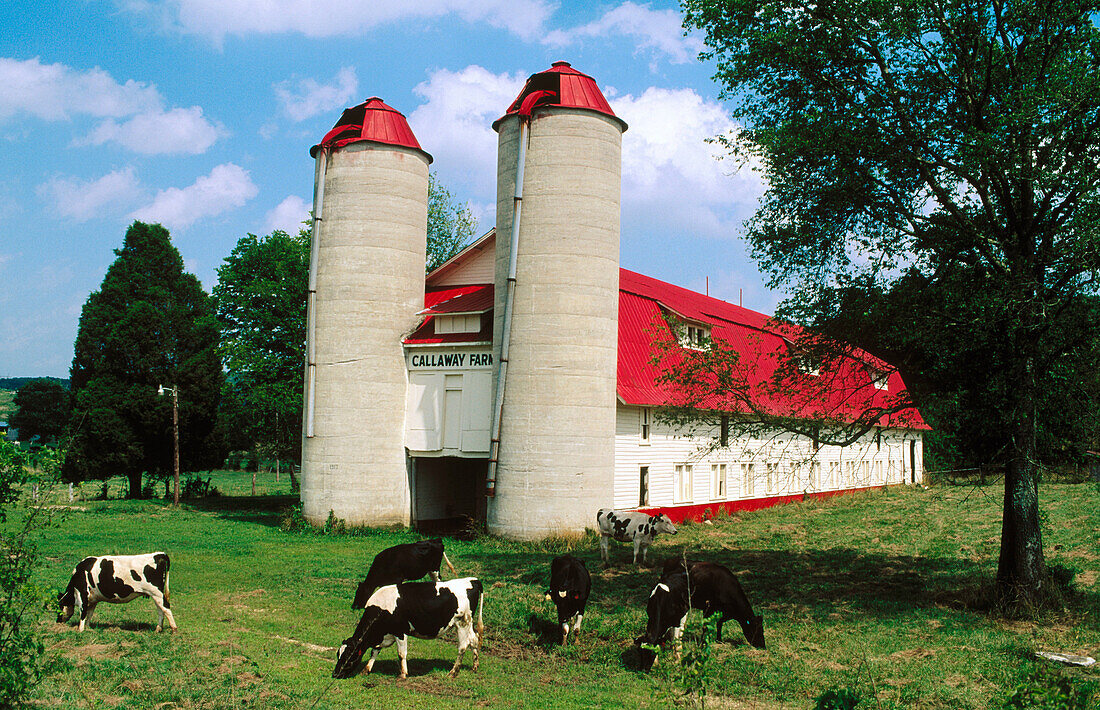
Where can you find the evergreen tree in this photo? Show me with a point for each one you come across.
(149, 324)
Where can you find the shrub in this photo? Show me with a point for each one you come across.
(22, 662)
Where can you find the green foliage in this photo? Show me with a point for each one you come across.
(450, 227)
(149, 324)
(837, 699)
(935, 148)
(1047, 689)
(43, 410)
(22, 598)
(261, 309)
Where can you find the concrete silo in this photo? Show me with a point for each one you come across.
(366, 286)
(555, 334)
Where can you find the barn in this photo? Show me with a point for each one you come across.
(514, 385)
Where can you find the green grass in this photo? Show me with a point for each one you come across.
(878, 591)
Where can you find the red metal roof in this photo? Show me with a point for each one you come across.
(466, 299)
(760, 342)
(845, 392)
(474, 298)
(560, 85)
(371, 120)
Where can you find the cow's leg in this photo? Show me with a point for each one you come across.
(86, 614)
(721, 620)
(577, 623)
(373, 657)
(434, 574)
(161, 603)
(465, 632)
(564, 631)
(637, 545)
(603, 548)
(403, 653)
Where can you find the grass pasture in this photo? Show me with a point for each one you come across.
(878, 592)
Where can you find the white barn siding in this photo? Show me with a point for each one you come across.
(878, 459)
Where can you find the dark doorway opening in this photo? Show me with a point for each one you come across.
(447, 495)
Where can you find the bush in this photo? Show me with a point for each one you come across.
(195, 486)
(22, 662)
(842, 699)
(1051, 690)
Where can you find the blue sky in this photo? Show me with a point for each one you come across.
(199, 114)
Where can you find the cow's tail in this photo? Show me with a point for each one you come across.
(164, 561)
(453, 572)
(480, 623)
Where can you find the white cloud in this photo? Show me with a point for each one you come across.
(660, 31)
(215, 19)
(310, 98)
(176, 131)
(82, 200)
(672, 176)
(133, 112)
(55, 92)
(227, 186)
(455, 125)
(288, 215)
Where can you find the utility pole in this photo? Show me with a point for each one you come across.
(175, 440)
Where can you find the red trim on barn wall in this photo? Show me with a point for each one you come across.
(697, 512)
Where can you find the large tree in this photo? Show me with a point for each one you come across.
(43, 410)
(149, 324)
(954, 140)
(261, 308)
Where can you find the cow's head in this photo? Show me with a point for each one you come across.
(66, 601)
(348, 658)
(351, 651)
(754, 630)
(663, 524)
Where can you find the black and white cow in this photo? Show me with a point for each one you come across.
(117, 579)
(666, 614)
(639, 528)
(570, 585)
(421, 609)
(714, 589)
(402, 563)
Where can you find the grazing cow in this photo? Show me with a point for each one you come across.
(666, 613)
(117, 579)
(639, 528)
(421, 609)
(570, 585)
(402, 563)
(714, 589)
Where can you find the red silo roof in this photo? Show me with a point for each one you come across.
(371, 120)
(560, 85)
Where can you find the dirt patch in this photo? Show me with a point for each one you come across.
(439, 686)
(99, 650)
(247, 678)
(912, 654)
(1087, 579)
(230, 662)
(305, 644)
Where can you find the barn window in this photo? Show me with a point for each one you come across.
(643, 485)
(747, 474)
(683, 483)
(878, 472)
(724, 432)
(815, 475)
(458, 323)
(643, 434)
(772, 476)
(696, 337)
(718, 481)
(879, 378)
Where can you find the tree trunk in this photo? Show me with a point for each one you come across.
(1021, 570)
(134, 480)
